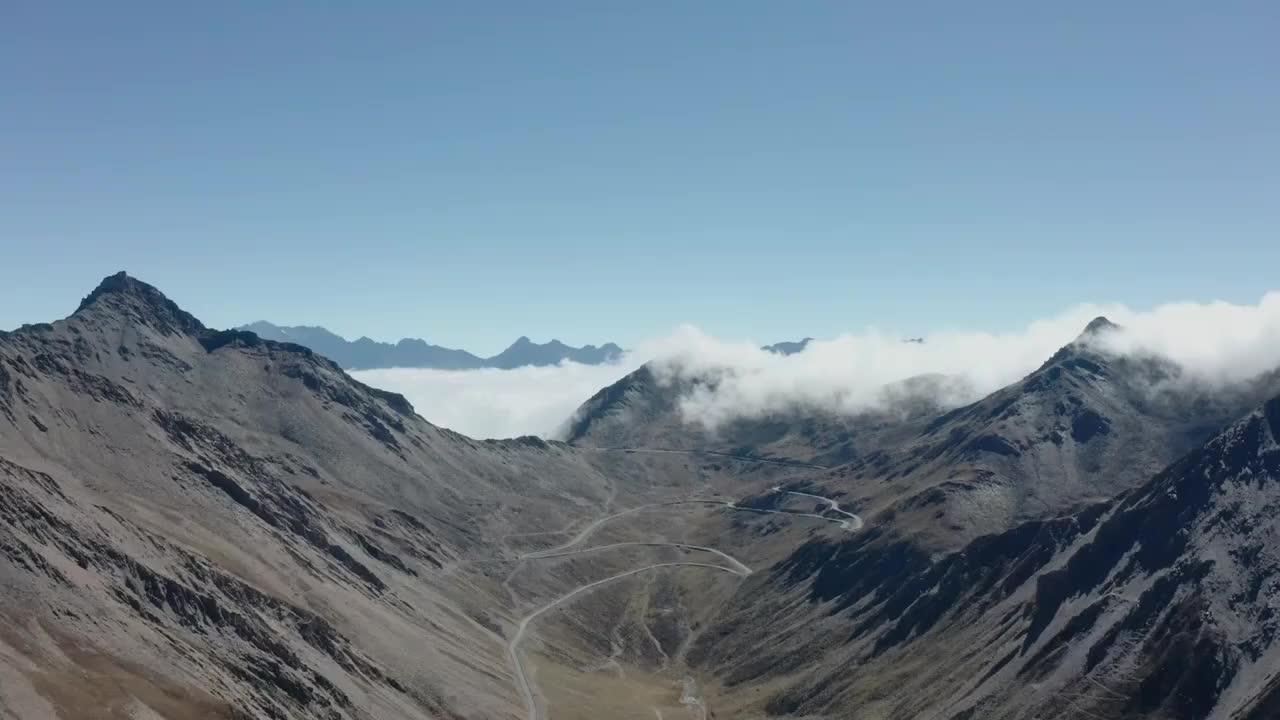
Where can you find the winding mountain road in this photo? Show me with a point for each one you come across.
(714, 453)
(845, 524)
(738, 565)
(525, 685)
(853, 523)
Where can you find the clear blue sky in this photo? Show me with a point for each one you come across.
(468, 172)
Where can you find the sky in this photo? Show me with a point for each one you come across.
(595, 171)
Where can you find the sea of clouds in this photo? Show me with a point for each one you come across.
(492, 403)
(1214, 342)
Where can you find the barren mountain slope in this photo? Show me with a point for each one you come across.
(1158, 604)
(207, 524)
(942, 592)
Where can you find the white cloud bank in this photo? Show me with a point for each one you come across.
(1216, 342)
(1213, 342)
(491, 403)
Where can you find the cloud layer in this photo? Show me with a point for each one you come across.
(492, 403)
(1214, 342)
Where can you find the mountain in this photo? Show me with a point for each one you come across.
(969, 594)
(525, 352)
(365, 354)
(642, 410)
(1081, 428)
(201, 523)
(789, 347)
(1158, 603)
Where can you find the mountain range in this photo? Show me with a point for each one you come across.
(214, 524)
(366, 354)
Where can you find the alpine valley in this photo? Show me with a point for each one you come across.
(198, 523)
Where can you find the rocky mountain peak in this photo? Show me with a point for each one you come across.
(1098, 326)
(126, 297)
(1080, 352)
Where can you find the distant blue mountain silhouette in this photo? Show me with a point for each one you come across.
(789, 348)
(363, 354)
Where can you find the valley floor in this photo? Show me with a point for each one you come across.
(688, 702)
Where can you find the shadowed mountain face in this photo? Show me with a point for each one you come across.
(1158, 603)
(1080, 429)
(366, 354)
